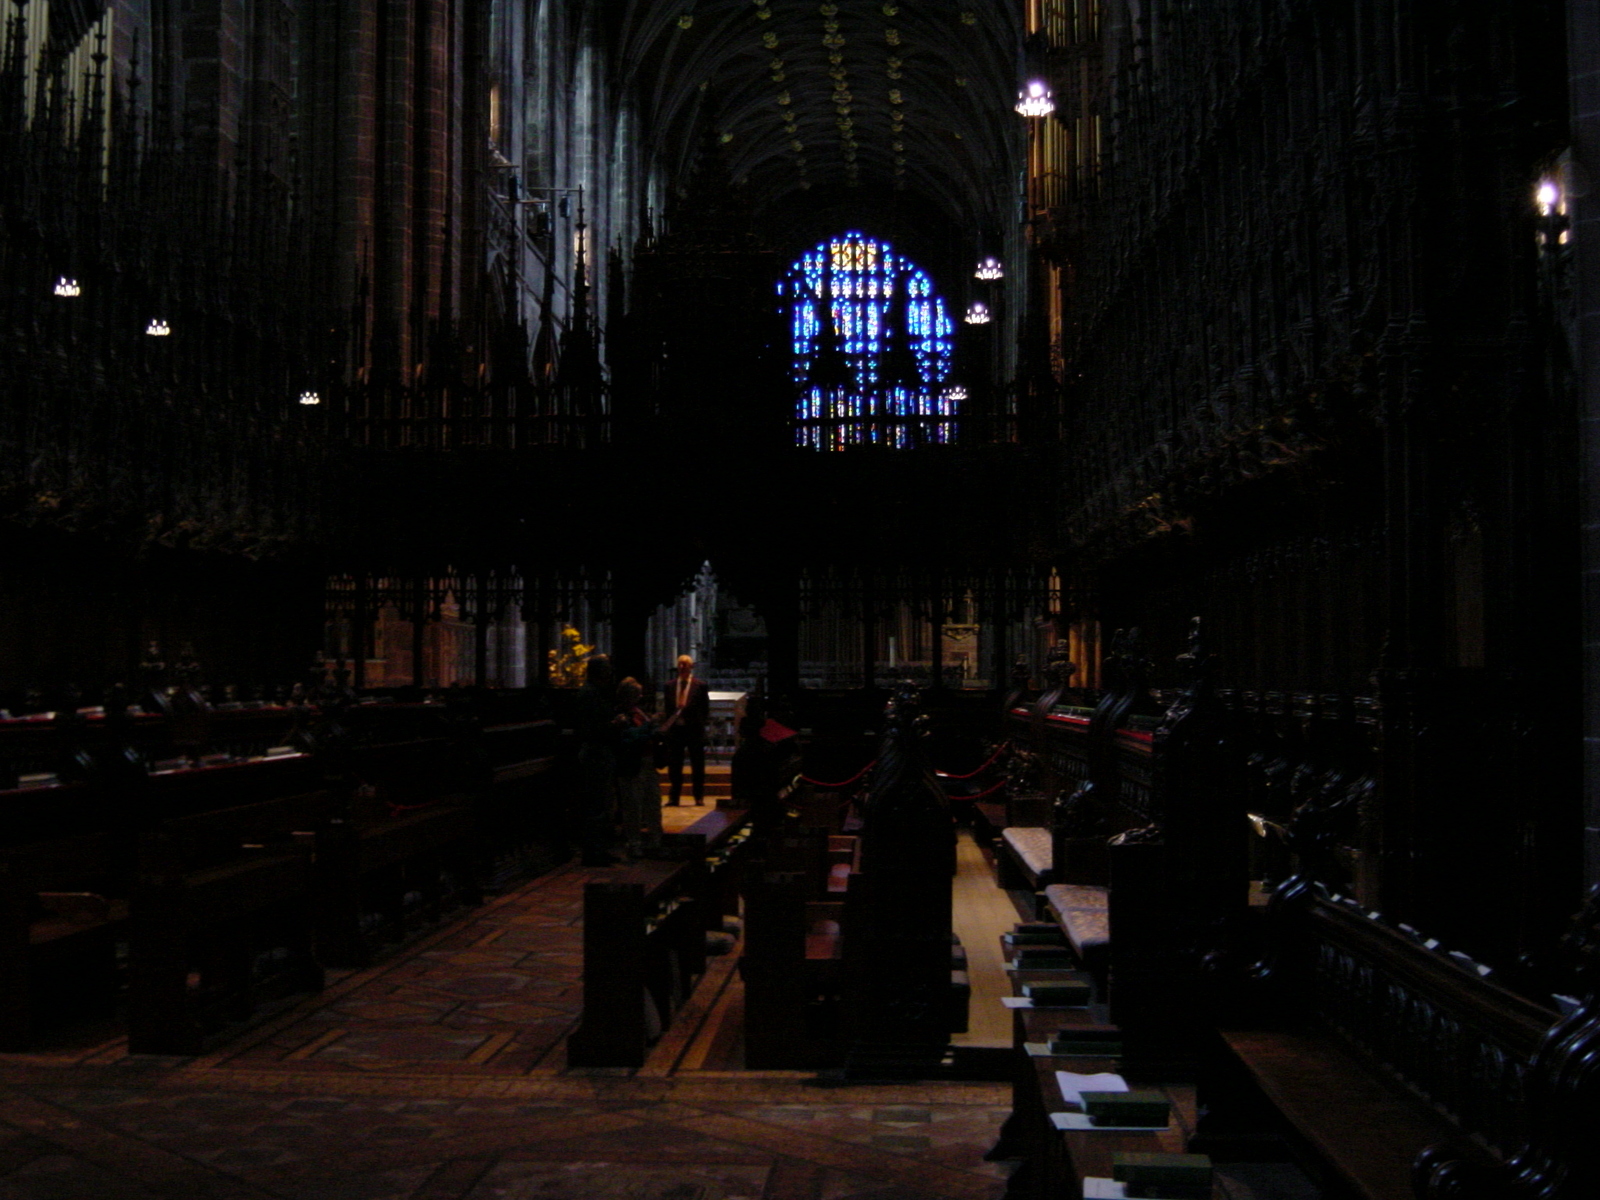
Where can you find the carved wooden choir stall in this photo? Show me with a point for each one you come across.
(1223, 933)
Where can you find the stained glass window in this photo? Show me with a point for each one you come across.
(872, 347)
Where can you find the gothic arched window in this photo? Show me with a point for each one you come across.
(872, 347)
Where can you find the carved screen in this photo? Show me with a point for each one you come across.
(872, 348)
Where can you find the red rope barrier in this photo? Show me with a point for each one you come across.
(993, 758)
(834, 787)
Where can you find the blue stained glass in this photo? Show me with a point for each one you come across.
(877, 299)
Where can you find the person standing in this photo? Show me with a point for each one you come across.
(597, 725)
(687, 712)
(638, 792)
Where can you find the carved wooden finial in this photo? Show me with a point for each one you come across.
(1058, 667)
(1197, 665)
(1580, 946)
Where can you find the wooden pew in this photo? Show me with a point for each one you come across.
(222, 919)
(1148, 851)
(798, 912)
(64, 889)
(645, 937)
(176, 791)
(517, 797)
(1092, 779)
(1390, 1066)
(721, 838)
(1373, 1046)
(1055, 1162)
(408, 847)
(643, 951)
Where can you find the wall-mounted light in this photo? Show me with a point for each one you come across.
(310, 398)
(977, 313)
(989, 269)
(158, 329)
(1552, 205)
(1547, 197)
(1035, 100)
(67, 287)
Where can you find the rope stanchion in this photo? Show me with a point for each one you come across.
(988, 791)
(992, 759)
(834, 787)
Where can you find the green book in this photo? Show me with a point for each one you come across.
(1086, 1039)
(1044, 937)
(1085, 1049)
(1066, 1043)
(1065, 993)
(1161, 1170)
(1128, 1108)
(1043, 956)
(1089, 1033)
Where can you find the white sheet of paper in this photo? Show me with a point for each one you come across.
(1027, 1002)
(1080, 1121)
(1073, 1085)
(1097, 1188)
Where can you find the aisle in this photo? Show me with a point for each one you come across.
(981, 912)
(440, 1075)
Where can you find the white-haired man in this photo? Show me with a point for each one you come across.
(687, 710)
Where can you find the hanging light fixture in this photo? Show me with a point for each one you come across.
(1035, 100)
(989, 269)
(67, 287)
(977, 313)
(955, 392)
(158, 328)
(310, 398)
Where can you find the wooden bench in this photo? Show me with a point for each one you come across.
(1374, 1047)
(1055, 1162)
(385, 875)
(645, 937)
(1093, 768)
(643, 951)
(195, 787)
(519, 808)
(1083, 913)
(1025, 862)
(222, 920)
(721, 838)
(63, 909)
(797, 904)
(406, 850)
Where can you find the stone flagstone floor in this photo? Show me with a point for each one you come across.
(440, 1075)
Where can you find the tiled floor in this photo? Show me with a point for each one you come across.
(440, 1075)
(179, 1133)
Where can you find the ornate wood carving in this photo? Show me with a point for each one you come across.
(898, 945)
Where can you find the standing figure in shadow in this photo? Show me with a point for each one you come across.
(638, 789)
(687, 712)
(596, 724)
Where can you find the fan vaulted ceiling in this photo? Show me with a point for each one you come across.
(815, 100)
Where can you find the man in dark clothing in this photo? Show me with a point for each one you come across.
(594, 716)
(687, 709)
